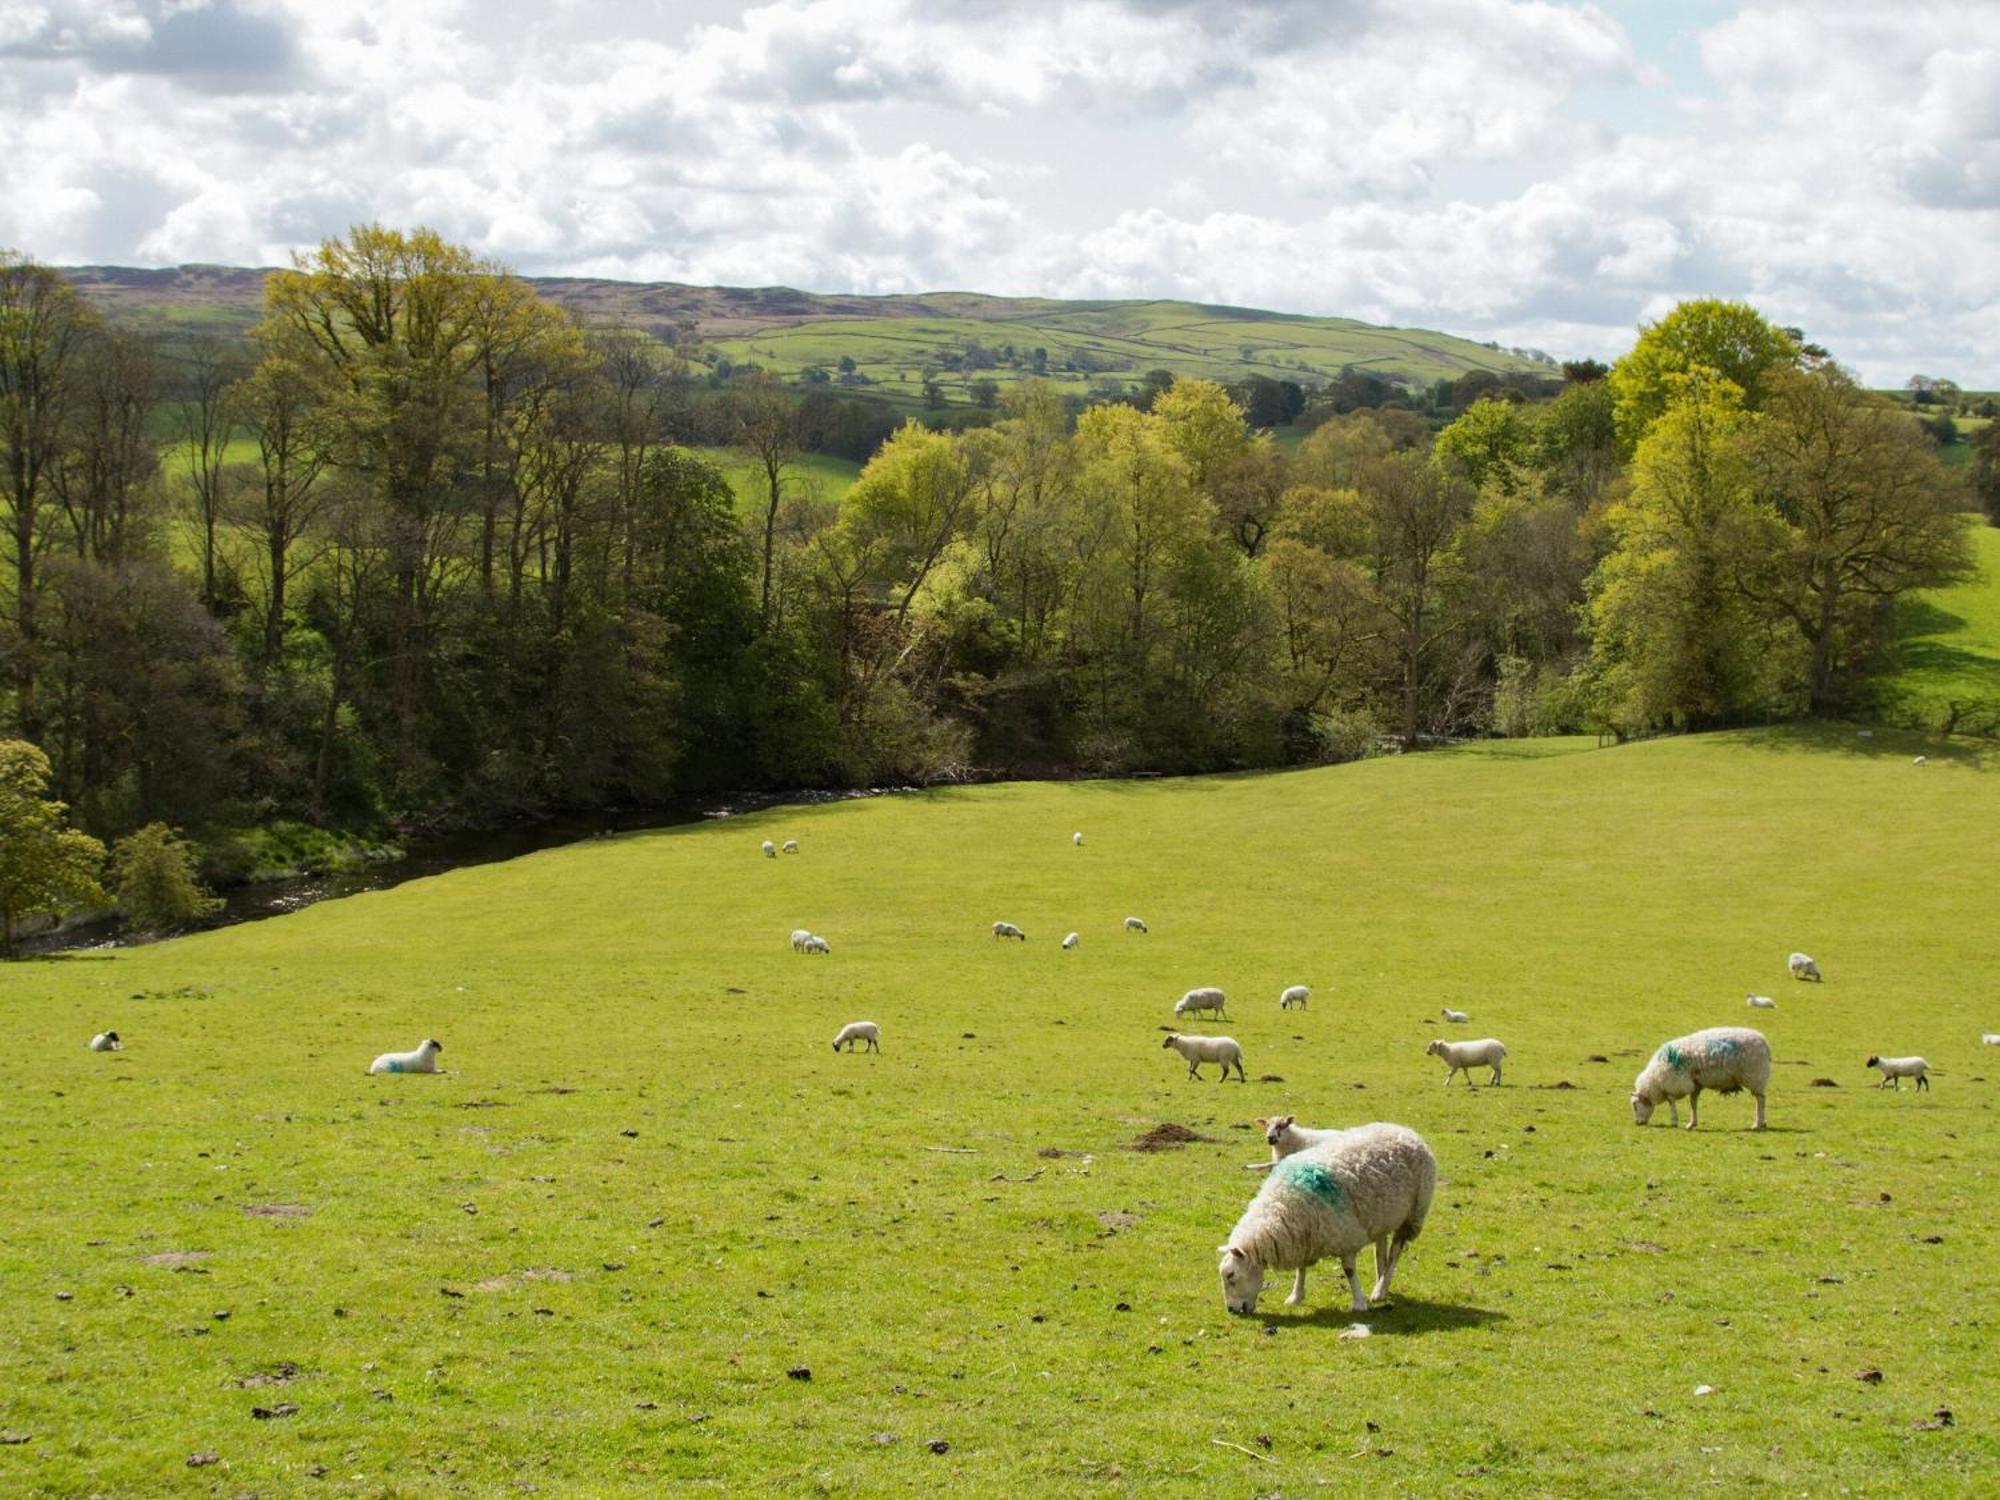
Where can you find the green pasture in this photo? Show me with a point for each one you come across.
(1948, 651)
(821, 476)
(650, 1235)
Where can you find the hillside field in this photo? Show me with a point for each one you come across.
(600, 1254)
(1948, 651)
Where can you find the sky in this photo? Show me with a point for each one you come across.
(1548, 175)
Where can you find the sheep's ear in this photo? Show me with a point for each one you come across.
(1285, 1120)
(1227, 1250)
(1262, 1123)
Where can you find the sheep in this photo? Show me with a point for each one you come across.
(799, 936)
(1134, 924)
(814, 943)
(791, 846)
(1286, 1137)
(1760, 1002)
(1373, 1183)
(1297, 995)
(423, 1060)
(1465, 1056)
(1071, 941)
(1200, 1049)
(1206, 998)
(1803, 967)
(1455, 1017)
(106, 1041)
(859, 1031)
(1008, 930)
(770, 849)
(1989, 1038)
(1896, 1069)
(1723, 1058)
(1076, 839)
(1921, 760)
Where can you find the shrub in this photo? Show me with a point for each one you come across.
(154, 873)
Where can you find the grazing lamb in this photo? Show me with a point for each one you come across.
(1216, 1049)
(1921, 760)
(1989, 1038)
(814, 943)
(1372, 1183)
(423, 1060)
(1465, 1056)
(791, 846)
(770, 849)
(1134, 924)
(1076, 839)
(1760, 1002)
(859, 1031)
(1723, 1058)
(1071, 941)
(1286, 1138)
(1896, 1069)
(799, 936)
(106, 1041)
(1803, 967)
(1008, 930)
(1455, 1017)
(1195, 1001)
(1297, 995)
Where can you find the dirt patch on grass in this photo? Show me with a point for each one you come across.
(1167, 1137)
(1057, 1153)
(175, 1258)
(514, 1279)
(277, 1210)
(282, 1373)
(1115, 1219)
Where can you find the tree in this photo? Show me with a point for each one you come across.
(205, 422)
(283, 401)
(154, 873)
(1491, 444)
(1986, 469)
(764, 420)
(1728, 339)
(1203, 425)
(1416, 509)
(45, 868)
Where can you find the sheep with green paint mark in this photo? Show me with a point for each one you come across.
(423, 1060)
(1371, 1184)
(1723, 1058)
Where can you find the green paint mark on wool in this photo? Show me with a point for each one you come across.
(1673, 1057)
(395, 1067)
(1317, 1180)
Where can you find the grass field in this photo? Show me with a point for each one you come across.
(587, 1256)
(1949, 651)
(820, 475)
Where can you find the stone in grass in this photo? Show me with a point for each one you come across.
(282, 1409)
(1869, 1376)
(14, 1439)
(798, 1372)
(938, 1445)
(203, 1459)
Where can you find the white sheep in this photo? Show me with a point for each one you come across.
(1286, 1138)
(858, 1031)
(1134, 924)
(1760, 1002)
(1371, 1184)
(814, 943)
(770, 849)
(106, 1041)
(1723, 1058)
(1071, 941)
(1803, 967)
(423, 1060)
(1465, 1056)
(799, 936)
(791, 846)
(1194, 1002)
(1989, 1038)
(1297, 995)
(1455, 1017)
(1076, 839)
(1008, 930)
(1216, 1049)
(1896, 1069)
(1921, 760)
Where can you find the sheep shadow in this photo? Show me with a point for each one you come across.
(1398, 1317)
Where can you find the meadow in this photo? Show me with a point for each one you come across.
(1948, 648)
(648, 1233)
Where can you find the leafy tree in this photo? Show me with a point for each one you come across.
(1203, 425)
(1986, 469)
(766, 426)
(1416, 509)
(154, 874)
(1491, 444)
(1584, 371)
(45, 868)
(1730, 340)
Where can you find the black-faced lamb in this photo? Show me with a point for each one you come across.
(423, 1060)
(106, 1041)
(1896, 1069)
(1135, 924)
(1216, 1049)
(1723, 1058)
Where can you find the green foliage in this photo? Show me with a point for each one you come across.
(1726, 340)
(1491, 444)
(46, 869)
(153, 873)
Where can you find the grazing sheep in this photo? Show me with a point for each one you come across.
(1008, 930)
(799, 936)
(814, 943)
(1921, 760)
(1195, 1001)
(1372, 1183)
(1134, 924)
(770, 849)
(791, 846)
(1803, 967)
(1071, 941)
(1455, 1017)
(1297, 995)
(1076, 839)
(423, 1060)
(1216, 1049)
(1465, 1056)
(106, 1041)
(1896, 1069)
(1989, 1038)
(859, 1031)
(1760, 1002)
(1723, 1058)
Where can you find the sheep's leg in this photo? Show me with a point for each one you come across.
(1496, 1073)
(1694, 1109)
(1448, 1071)
(1385, 1267)
(1194, 1068)
(1923, 1082)
(1298, 1289)
(1356, 1301)
(1760, 1112)
(1673, 1110)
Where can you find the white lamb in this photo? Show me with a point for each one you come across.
(1297, 995)
(1723, 1058)
(1372, 1184)
(791, 846)
(1896, 1069)
(1921, 760)
(814, 943)
(858, 1031)
(1760, 1002)
(1455, 1017)
(1286, 1138)
(1465, 1056)
(770, 849)
(1076, 839)
(1134, 924)
(799, 936)
(1008, 930)
(1989, 1038)
(106, 1041)
(1071, 941)
(1216, 1049)
(1207, 998)
(1802, 967)
(423, 1060)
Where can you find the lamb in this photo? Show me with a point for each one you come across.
(1008, 930)
(106, 1041)
(1297, 995)
(1465, 1056)
(1076, 839)
(423, 1060)
(770, 849)
(791, 846)
(1723, 1058)
(814, 943)
(1760, 1002)
(1134, 924)
(1286, 1138)
(1803, 967)
(1455, 1017)
(1373, 1183)
(1195, 1001)
(1216, 1049)
(1921, 760)
(1896, 1069)
(859, 1031)
(1071, 941)
(799, 936)
(1989, 1038)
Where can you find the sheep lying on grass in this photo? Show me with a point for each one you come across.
(858, 1031)
(1803, 967)
(1455, 1017)
(1896, 1069)
(106, 1041)
(770, 849)
(423, 1060)
(1297, 995)
(791, 846)
(1134, 924)
(1194, 1002)
(1008, 930)
(1216, 1049)
(1465, 1056)
(1760, 1002)
(1372, 1183)
(1071, 941)
(1723, 1058)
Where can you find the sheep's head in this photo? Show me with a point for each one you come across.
(1435, 1049)
(431, 1046)
(1274, 1130)
(1170, 1040)
(110, 1036)
(1642, 1109)
(1242, 1280)
(1873, 1062)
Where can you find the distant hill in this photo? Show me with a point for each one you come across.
(893, 342)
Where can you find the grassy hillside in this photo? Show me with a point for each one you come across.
(819, 474)
(600, 1254)
(1949, 653)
